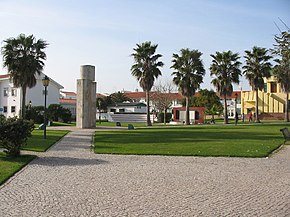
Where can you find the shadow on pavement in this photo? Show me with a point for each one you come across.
(66, 161)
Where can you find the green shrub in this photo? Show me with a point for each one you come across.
(2, 118)
(56, 112)
(160, 117)
(35, 113)
(65, 115)
(14, 134)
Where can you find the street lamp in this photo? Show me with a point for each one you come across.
(45, 82)
(236, 113)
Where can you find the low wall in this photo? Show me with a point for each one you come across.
(271, 116)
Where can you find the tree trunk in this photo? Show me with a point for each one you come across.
(164, 115)
(187, 111)
(23, 103)
(226, 121)
(257, 107)
(148, 109)
(286, 118)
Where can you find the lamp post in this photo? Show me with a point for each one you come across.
(236, 113)
(45, 82)
(99, 108)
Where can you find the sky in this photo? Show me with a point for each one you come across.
(103, 33)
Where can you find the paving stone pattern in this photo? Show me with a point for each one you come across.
(70, 180)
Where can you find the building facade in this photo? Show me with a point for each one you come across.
(233, 104)
(175, 98)
(10, 96)
(271, 100)
(133, 107)
(68, 99)
(196, 115)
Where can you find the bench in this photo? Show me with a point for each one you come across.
(286, 134)
(130, 127)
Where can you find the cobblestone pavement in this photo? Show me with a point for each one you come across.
(70, 180)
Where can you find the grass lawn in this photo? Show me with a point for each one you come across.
(258, 140)
(9, 166)
(37, 143)
(123, 124)
(55, 123)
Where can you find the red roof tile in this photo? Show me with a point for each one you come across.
(69, 93)
(135, 95)
(172, 96)
(4, 76)
(74, 94)
(68, 101)
(232, 96)
(139, 95)
(99, 95)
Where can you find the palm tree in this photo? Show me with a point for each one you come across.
(282, 69)
(257, 67)
(146, 69)
(119, 97)
(226, 69)
(213, 110)
(23, 56)
(188, 74)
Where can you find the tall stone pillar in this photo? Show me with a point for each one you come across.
(86, 98)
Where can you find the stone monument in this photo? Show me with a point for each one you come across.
(86, 98)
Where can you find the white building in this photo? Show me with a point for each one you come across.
(175, 98)
(233, 104)
(68, 100)
(132, 107)
(10, 96)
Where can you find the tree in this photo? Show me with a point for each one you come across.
(146, 69)
(34, 113)
(119, 97)
(65, 115)
(188, 74)
(206, 98)
(161, 98)
(256, 68)
(282, 69)
(23, 56)
(209, 100)
(101, 104)
(55, 112)
(107, 100)
(213, 110)
(226, 69)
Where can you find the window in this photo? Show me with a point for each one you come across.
(5, 91)
(265, 87)
(13, 109)
(273, 87)
(14, 92)
(4, 109)
(196, 115)
(177, 114)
